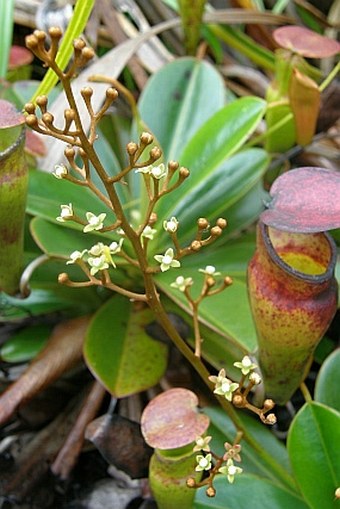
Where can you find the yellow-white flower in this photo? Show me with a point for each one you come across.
(60, 171)
(171, 225)
(246, 365)
(203, 462)
(66, 212)
(181, 283)
(167, 260)
(94, 222)
(230, 470)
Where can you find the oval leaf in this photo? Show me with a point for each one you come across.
(224, 188)
(305, 200)
(218, 139)
(25, 344)
(275, 466)
(328, 381)
(248, 491)
(306, 42)
(119, 352)
(175, 102)
(314, 453)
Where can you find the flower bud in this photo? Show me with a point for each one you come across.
(111, 93)
(221, 222)
(270, 419)
(55, 33)
(268, 404)
(155, 153)
(202, 223)
(215, 231)
(29, 108)
(195, 245)
(131, 148)
(184, 172)
(211, 492)
(146, 138)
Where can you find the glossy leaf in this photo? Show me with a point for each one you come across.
(119, 352)
(314, 453)
(220, 194)
(328, 381)
(248, 491)
(25, 344)
(45, 299)
(305, 200)
(217, 349)
(46, 194)
(60, 241)
(178, 100)
(274, 467)
(206, 153)
(227, 311)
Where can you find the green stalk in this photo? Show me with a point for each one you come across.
(191, 12)
(6, 31)
(241, 42)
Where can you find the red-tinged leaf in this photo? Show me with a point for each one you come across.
(305, 42)
(305, 200)
(9, 115)
(34, 144)
(164, 429)
(19, 56)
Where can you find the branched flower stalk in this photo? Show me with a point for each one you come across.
(159, 181)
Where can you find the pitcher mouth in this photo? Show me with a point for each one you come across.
(312, 278)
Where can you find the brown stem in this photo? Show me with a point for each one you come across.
(68, 454)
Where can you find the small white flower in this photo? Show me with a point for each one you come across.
(223, 386)
(181, 283)
(230, 470)
(146, 170)
(149, 232)
(76, 255)
(246, 366)
(60, 171)
(97, 249)
(167, 260)
(115, 247)
(158, 172)
(94, 222)
(255, 378)
(210, 270)
(66, 212)
(226, 389)
(171, 226)
(203, 462)
(202, 444)
(97, 263)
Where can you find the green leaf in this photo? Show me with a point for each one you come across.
(119, 352)
(248, 491)
(25, 344)
(313, 446)
(60, 241)
(46, 194)
(217, 349)
(328, 381)
(222, 192)
(207, 152)
(227, 312)
(43, 300)
(176, 102)
(223, 430)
